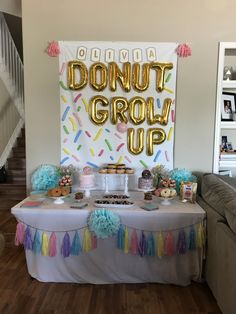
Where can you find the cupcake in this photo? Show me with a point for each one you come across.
(111, 170)
(120, 171)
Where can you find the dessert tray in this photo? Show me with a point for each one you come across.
(113, 203)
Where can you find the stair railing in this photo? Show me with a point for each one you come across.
(12, 75)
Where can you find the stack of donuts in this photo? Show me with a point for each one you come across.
(116, 168)
(167, 189)
(59, 191)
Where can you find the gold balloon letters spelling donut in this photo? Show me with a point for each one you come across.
(141, 87)
(123, 77)
(72, 66)
(96, 68)
(160, 69)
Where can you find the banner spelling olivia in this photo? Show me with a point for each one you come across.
(117, 103)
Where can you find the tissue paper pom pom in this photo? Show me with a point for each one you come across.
(45, 177)
(180, 175)
(53, 49)
(103, 223)
(183, 50)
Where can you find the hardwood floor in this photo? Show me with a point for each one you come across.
(20, 294)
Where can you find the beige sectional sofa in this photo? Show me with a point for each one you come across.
(217, 195)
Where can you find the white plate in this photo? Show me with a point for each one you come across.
(58, 199)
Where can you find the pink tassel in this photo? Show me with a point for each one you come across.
(53, 49)
(94, 242)
(20, 234)
(169, 245)
(183, 50)
(53, 245)
(134, 243)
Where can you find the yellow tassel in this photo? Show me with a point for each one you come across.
(200, 236)
(126, 246)
(45, 244)
(160, 245)
(87, 241)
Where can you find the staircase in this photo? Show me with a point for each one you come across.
(14, 190)
(12, 154)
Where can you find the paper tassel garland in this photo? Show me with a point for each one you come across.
(138, 242)
(44, 247)
(76, 245)
(53, 245)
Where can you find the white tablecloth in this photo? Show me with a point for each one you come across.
(107, 264)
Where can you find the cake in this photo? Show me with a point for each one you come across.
(146, 181)
(87, 178)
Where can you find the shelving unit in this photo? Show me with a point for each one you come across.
(227, 57)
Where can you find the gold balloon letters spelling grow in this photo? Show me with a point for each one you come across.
(123, 110)
(99, 76)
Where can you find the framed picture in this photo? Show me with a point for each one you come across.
(224, 141)
(229, 146)
(227, 106)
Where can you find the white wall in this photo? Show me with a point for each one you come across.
(202, 23)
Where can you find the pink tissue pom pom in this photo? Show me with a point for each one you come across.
(53, 49)
(183, 50)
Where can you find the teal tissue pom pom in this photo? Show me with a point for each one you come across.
(104, 223)
(180, 175)
(45, 177)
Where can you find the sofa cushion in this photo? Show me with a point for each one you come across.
(221, 195)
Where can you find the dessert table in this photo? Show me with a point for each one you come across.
(108, 264)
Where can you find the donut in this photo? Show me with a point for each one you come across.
(111, 170)
(103, 170)
(129, 170)
(56, 192)
(165, 193)
(120, 170)
(173, 192)
(65, 191)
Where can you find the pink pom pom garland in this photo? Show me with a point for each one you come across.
(184, 50)
(53, 49)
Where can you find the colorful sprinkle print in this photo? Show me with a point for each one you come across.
(77, 136)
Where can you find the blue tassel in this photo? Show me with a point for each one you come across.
(121, 238)
(76, 245)
(37, 243)
(181, 243)
(142, 245)
(192, 239)
(28, 241)
(150, 245)
(65, 249)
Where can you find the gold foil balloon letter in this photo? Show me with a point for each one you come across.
(140, 87)
(98, 116)
(160, 69)
(154, 137)
(95, 69)
(139, 141)
(137, 109)
(157, 118)
(116, 74)
(81, 67)
(119, 105)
